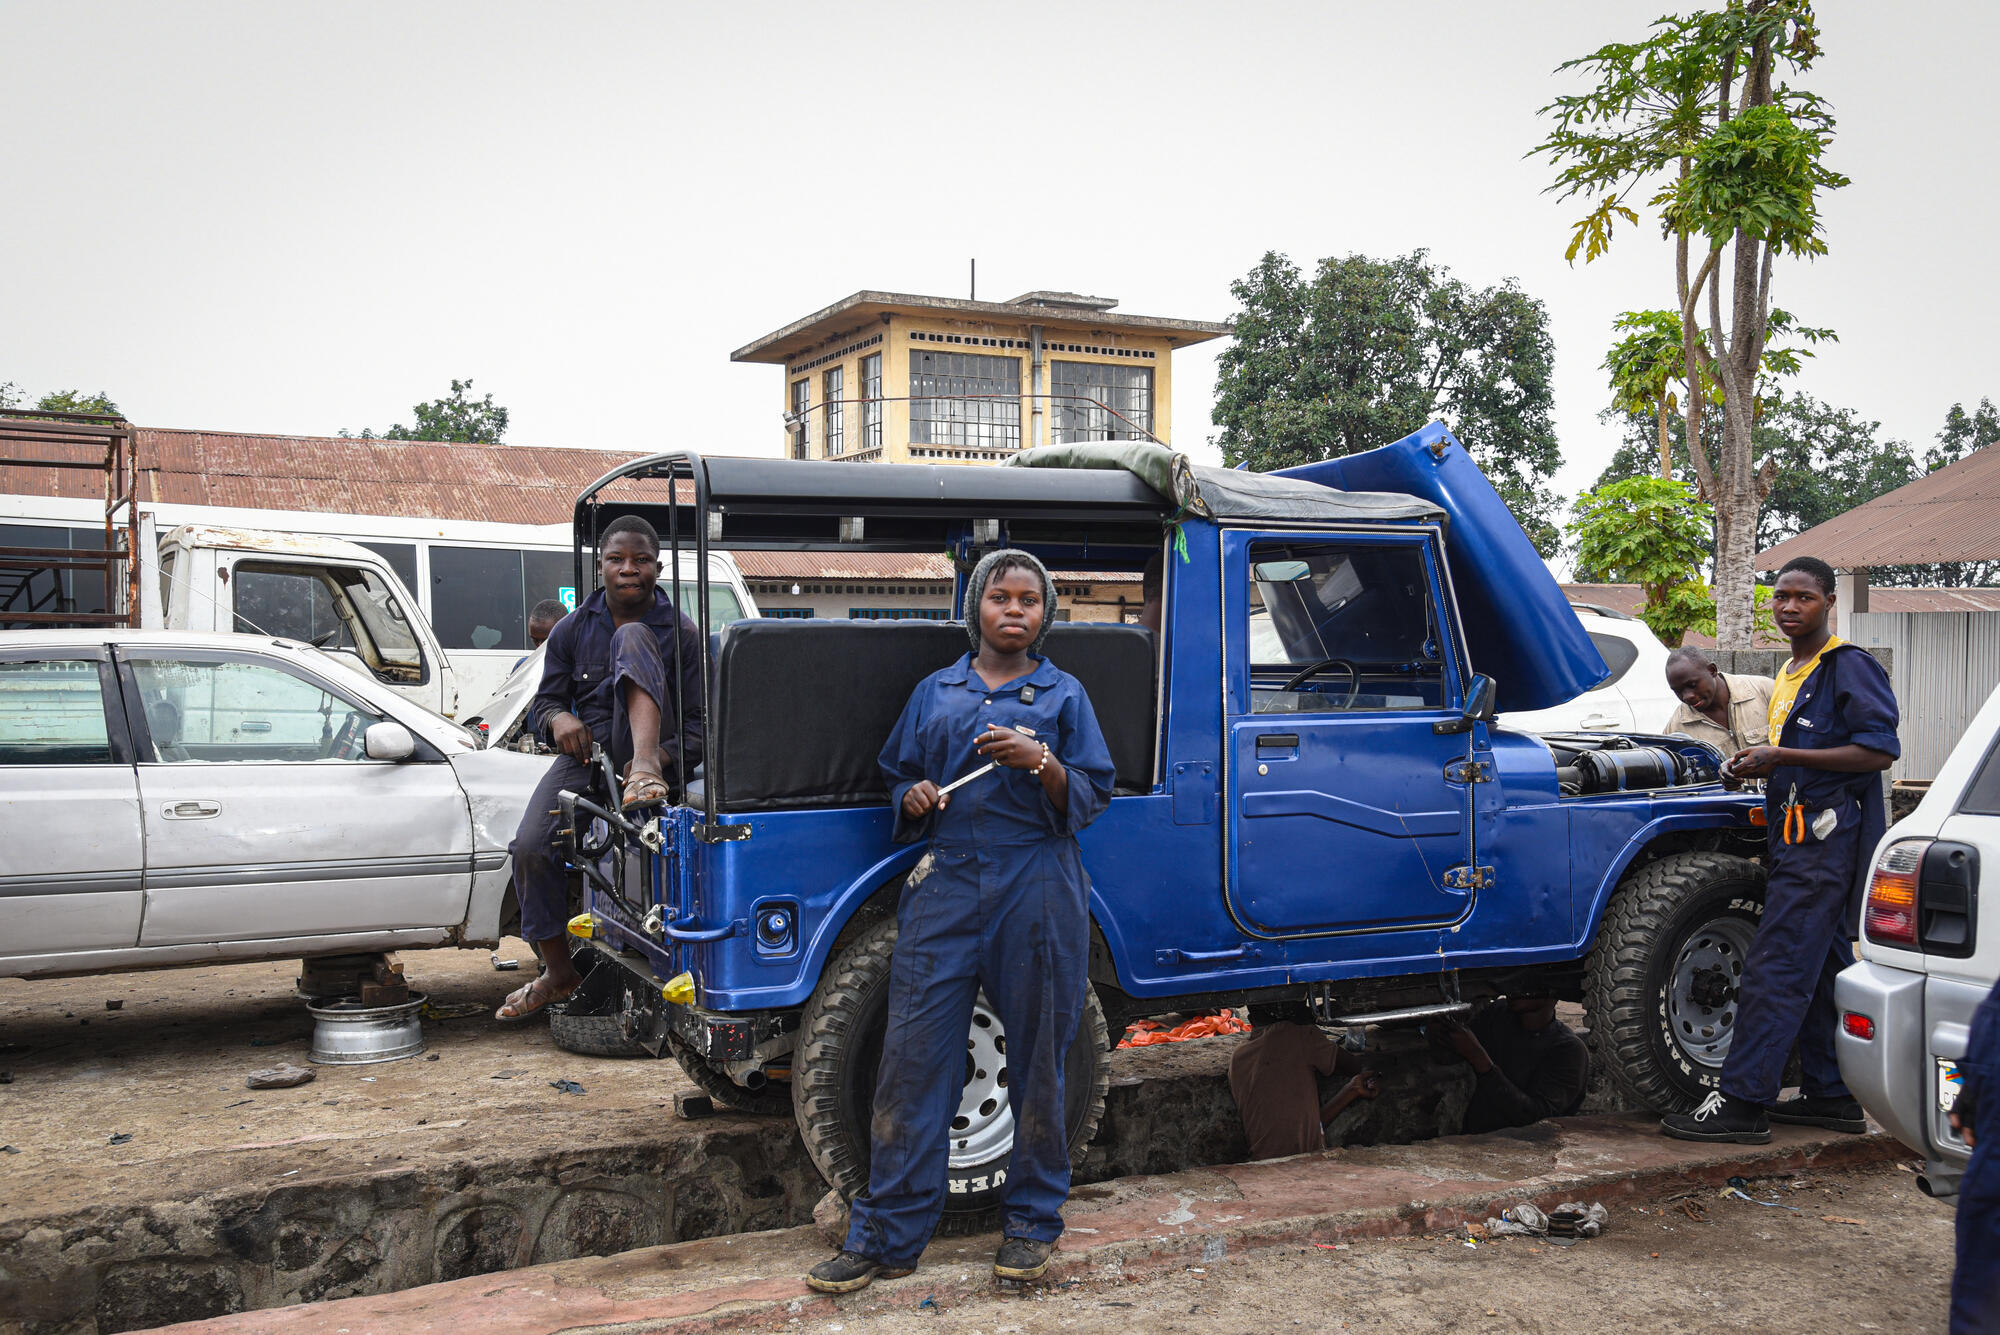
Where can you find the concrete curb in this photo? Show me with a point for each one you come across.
(1119, 1233)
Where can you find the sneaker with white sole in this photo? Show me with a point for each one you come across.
(1720, 1118)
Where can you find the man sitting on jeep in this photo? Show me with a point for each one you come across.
(605, 680)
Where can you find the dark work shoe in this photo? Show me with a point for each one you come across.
(1023, 1258)
(1833, 1114)
(850, 1271)
(1720, 1118)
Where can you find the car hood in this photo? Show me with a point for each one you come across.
(1520, 628)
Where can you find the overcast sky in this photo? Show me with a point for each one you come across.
(292, 218)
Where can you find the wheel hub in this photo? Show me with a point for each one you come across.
(1702, 993)
(983, 1127)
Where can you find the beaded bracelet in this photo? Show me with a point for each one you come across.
(1037, 770)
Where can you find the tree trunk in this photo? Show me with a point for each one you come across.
(1736, 511)
(1666, 443)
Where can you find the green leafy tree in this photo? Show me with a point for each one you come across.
(73, 401)
(1963, 432)
(1644, 365)
(457, 417)
(1652, 532)
(1365, 351)
(1733, 160)
(10, 395)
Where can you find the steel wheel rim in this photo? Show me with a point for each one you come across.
(1701, 1025)
(983, 1127)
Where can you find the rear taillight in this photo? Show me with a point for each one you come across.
(1891, 915)
(1858, 1026)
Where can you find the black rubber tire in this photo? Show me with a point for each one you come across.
(840, 1047)
(592, 1022)
(1651, 915)
(772, 1100)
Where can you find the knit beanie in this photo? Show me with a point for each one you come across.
(982, 575)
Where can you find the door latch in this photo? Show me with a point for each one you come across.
(1468, 771)
(198, 809)
(1469, 878)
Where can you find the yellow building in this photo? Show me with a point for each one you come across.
(882, 377)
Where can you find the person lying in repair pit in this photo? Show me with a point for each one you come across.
(999, 901)
(605, 682)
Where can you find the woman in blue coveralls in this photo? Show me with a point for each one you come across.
(998, 902)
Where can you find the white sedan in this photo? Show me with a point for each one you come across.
(1634, 698)
(171, 797)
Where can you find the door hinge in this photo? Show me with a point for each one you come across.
(1469, 878)
(1468, 771)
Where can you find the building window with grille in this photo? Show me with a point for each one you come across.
(832, 394)
(961, 398)
(1094, 401)
(899, 614)
(786, 613)
(802, 393)
(871, 402)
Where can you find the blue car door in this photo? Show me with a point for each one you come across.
(1348, 807)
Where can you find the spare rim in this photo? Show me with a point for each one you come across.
(1702, 993)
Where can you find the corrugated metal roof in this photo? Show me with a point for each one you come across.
(1629, 598)
(1950, 515)
(510, 484)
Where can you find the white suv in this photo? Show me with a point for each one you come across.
(1929, 954)
(1634, 698)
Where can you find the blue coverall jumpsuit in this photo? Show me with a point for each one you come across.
(1812, 901)
(1975, 1284)
(999, 902)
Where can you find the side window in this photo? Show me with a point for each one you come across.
(1982, 795)
(52, 713)
(402, 558)
(1619, 656)
(216, 712)
(476, 598)
(289, 603)
(1342, 627)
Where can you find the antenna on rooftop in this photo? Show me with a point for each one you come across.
(975, 280)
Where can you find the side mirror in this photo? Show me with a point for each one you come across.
(388, 741)
(1478, 707)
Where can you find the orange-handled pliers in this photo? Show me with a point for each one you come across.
(1795, 818)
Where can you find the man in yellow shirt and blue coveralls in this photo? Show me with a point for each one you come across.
(1834, 719)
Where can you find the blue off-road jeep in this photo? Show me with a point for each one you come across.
(1313, 798)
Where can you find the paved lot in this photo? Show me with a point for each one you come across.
(1157, 1233)
(1744, 1267)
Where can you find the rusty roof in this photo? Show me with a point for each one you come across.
(508, 484)
(1950, 515)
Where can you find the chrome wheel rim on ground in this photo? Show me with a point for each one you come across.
(346, 1033)
(1701, 997)
(983, 1127)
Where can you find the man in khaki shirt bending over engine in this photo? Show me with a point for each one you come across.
(1724, 709)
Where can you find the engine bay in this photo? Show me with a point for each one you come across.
(1588, 763)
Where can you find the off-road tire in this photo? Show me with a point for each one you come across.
(772, 1100)
(1654, 911)
(832, 1098)
(591, 1023)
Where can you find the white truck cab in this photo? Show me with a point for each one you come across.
(337, 596)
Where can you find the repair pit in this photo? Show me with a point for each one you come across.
(377, 1178)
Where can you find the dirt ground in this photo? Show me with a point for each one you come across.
(1882, 1263)
(166, 1069)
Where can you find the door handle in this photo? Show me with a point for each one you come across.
(1277, 745)
(1600, 721)
(199, 808)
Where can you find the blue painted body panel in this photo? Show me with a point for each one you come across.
(1519, 624)
(1159, 866)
